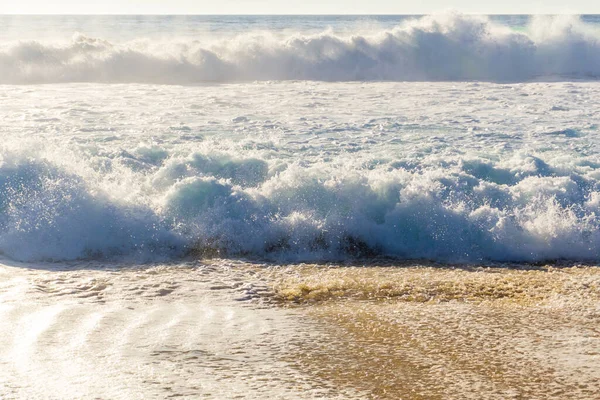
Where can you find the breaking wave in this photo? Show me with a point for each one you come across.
(466, 210)
(450, 47)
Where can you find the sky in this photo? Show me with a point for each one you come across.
(296, 6)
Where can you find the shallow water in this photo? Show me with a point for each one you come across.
(236, 329)
(126, 332)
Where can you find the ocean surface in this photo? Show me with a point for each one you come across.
(448, 137)
(299, 207)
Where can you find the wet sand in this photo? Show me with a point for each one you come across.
(237, 329)
(437, 332)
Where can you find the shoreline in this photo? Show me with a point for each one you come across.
(226, 327)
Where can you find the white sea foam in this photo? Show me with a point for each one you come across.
(446, 47)
(301, 171)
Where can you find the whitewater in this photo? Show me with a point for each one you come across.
(241, 161)
(301, 171)
(184, 202)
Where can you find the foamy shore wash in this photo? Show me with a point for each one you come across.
(427, 283)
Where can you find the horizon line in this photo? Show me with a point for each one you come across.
(286, 15)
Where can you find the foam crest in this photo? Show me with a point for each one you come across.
(447, 47)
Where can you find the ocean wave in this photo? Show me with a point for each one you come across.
(469, 210)
(447, 47)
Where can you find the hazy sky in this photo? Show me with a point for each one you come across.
(295, 6)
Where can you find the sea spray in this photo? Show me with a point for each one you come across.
(444, 47)
(49, 212)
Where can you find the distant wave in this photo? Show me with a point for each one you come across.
(449, 47)
(467, 210)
